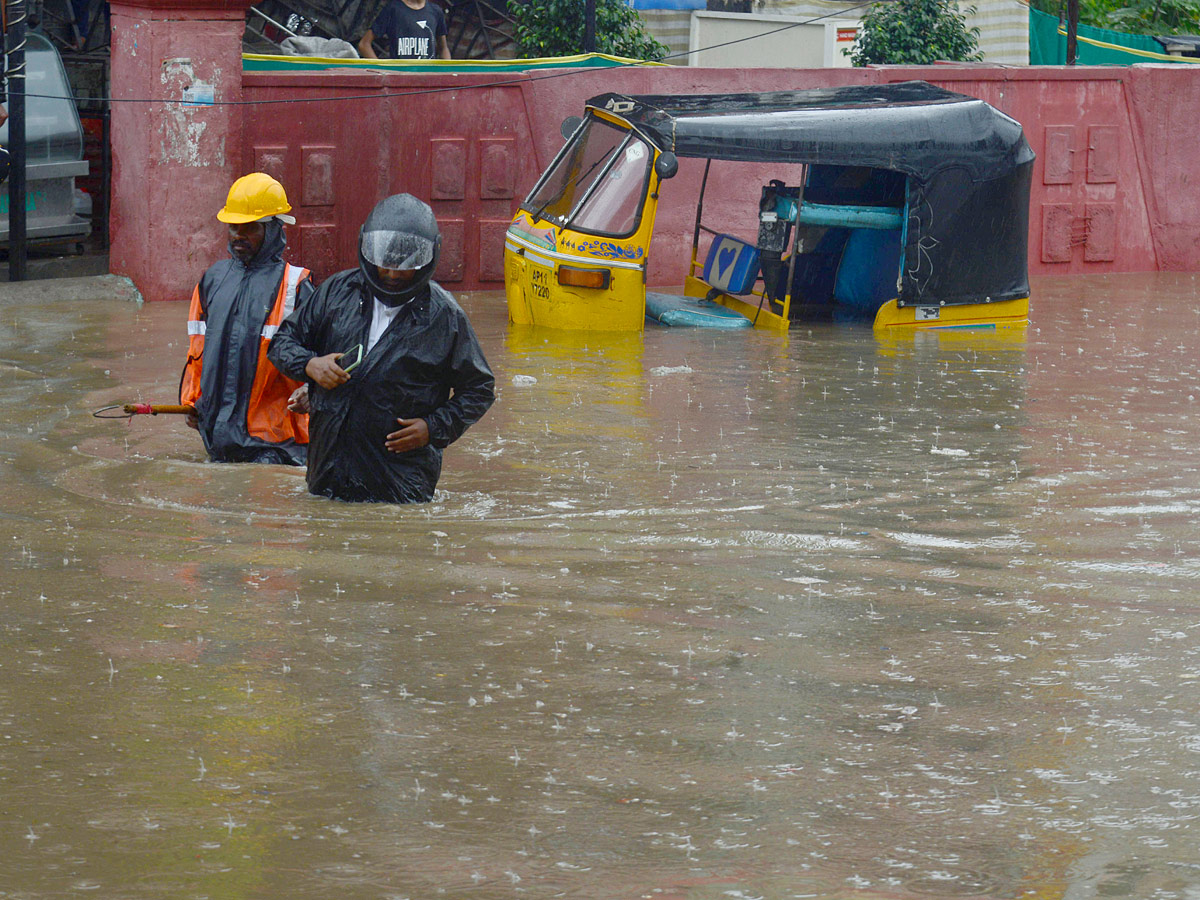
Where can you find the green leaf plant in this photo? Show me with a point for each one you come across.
(555, 28)
(914, 32)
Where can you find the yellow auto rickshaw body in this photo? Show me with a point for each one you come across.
(575, 255)
(910, 210)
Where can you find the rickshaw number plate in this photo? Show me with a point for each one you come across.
(927, 313)
(539, 282)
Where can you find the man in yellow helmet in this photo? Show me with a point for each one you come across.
(242, 403)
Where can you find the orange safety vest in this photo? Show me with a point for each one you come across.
(267, 415)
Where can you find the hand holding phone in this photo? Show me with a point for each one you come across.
(326, 371)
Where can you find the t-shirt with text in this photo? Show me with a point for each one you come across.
(410, 33)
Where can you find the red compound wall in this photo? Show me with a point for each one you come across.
(1113, 187)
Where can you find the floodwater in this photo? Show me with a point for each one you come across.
(693, 616)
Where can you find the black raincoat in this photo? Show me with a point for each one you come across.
(236, 299)
(428, 365)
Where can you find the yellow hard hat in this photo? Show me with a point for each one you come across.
(253, 197)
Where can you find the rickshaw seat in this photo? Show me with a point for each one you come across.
(866, 276)
(731, 265)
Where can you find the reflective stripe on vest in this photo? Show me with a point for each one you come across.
(195, 327)
(291, 277)
(294, 273)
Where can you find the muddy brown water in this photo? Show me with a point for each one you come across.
(692, 616)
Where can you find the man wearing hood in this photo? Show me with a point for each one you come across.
(241, 399)
(378, 430)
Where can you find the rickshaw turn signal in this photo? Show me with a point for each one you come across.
(588, 278)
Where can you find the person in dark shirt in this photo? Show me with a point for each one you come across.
(409, 29)
(394, 370)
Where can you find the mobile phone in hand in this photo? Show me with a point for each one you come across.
(351, 358)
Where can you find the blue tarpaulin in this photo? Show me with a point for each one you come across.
(669, 4)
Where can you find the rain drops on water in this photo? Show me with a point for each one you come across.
(663, 522)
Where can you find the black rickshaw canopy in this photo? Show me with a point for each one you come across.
(969, 167)
(913, 127)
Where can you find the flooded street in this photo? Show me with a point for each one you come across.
(694, 615)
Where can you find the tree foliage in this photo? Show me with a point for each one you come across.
(1132, 16)
(914, 32)
(555, 28)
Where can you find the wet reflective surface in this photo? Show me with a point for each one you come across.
(693, 615)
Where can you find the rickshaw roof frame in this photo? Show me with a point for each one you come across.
(912, 127)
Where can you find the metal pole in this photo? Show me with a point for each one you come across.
(15, 76)
(589, 26)
(105, 175)
(1072, 30)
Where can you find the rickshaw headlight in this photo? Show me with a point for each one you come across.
(588, 278)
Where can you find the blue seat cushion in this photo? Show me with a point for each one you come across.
(671, 309)
(731, 265)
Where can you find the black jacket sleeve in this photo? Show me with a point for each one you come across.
(472, 383)
(295, 343)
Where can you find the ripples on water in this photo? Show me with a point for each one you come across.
(692, 616)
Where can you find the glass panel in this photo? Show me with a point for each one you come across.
(565, 185)
(52, 129)
(613, 206)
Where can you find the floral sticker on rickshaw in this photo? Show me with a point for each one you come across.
(606, 249)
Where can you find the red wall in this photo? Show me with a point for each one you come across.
(1113, 187)
(172, 164)
(466, 152)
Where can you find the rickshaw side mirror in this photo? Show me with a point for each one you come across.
(666, 166)
(569, 126)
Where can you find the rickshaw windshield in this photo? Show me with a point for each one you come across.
(598, 183)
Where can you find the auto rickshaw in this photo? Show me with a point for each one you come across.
(910, 210)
